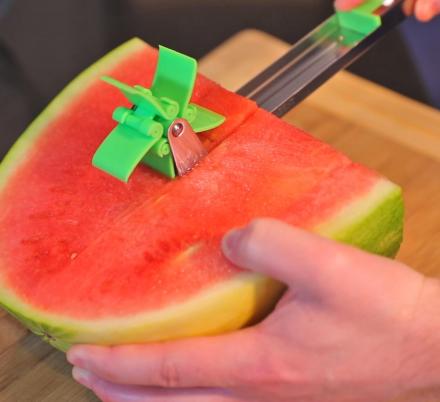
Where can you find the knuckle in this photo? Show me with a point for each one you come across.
(260, 372)
(262, 369)
(276, 373)
(168, 374)
(271, 367)
(109, 372)
(108, 369)
(338, 258)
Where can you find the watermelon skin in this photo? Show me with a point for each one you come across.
(250, 172)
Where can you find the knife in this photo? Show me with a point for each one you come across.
(332, 46)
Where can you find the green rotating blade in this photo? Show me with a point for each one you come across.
(205, 119)
(142, 132)
(175, 77)
(144, 99)
(134, 147)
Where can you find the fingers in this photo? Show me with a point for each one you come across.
(309, 264)
(425, 10)
(202, 362)
(284, 252)
(109, 392)
(347, 4)
(277, 250)
(408, 6)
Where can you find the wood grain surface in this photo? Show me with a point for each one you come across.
(394, 135)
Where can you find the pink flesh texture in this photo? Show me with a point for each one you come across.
(80, 243)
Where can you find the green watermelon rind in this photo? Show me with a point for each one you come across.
(372, 222)
(380, 231)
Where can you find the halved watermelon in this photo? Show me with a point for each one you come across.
(85, 258)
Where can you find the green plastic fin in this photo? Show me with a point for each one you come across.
(205, 119)
(165, 108)
(144, 99)
(175, 77)
(122, 151)
(161, 159)
(361, 19)
(133, 95)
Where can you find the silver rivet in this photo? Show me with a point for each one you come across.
(177, 129)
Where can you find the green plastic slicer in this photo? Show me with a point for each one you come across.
(142, 133)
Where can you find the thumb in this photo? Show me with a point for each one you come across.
(286, 253)
(347, 4)
(307, 263)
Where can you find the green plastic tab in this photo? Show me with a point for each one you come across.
(160, 159)
(361, 19)
(121, 164)
(141, 133)
(175, 77)
(205, 119)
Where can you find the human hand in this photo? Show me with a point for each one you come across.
(424, 10)
(351, 327)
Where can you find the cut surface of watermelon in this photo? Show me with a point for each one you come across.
(87, 258)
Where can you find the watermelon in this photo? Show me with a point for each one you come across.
(85, 258)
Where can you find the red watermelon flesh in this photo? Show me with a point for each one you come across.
(78, 246)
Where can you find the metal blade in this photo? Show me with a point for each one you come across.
(313, 60)
(185, 145)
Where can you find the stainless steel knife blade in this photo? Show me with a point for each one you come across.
(314, 59)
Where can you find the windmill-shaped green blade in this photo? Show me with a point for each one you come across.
(133, 95)
(122, 150)
(144, 100)
(142, 134)
(175, 77)
(205, 119)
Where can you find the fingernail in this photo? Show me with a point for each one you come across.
(232, 240)
(81, 376)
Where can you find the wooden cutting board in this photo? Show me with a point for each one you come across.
(379, 128)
